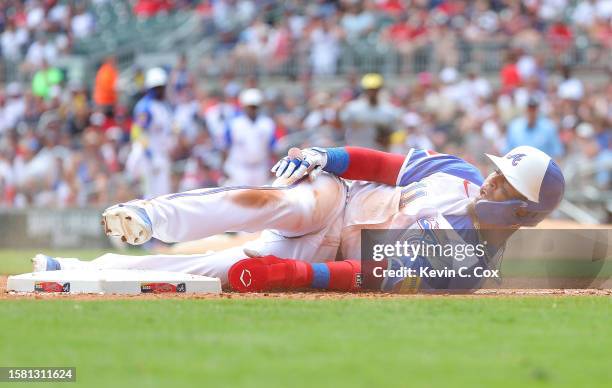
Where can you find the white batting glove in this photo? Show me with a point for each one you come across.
(299, 163)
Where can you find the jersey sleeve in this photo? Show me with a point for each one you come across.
(142, 115)
(142, 120)
(227, 135)
(358, 163)
(419, 164)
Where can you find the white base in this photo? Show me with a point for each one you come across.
(113, 281)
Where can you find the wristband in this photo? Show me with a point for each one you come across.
(337, 160)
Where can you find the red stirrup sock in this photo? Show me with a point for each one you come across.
(269, 273)
(272, 273)
(337, 275)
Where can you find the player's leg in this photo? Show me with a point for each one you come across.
(238, 272)
(215, 264)
(291, 211)
(232, 266)
(274, 273)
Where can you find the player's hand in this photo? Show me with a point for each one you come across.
(299, 163)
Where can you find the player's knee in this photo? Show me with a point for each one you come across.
(325, 195)
(256, 198)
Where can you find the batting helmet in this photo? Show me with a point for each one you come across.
(533, 174)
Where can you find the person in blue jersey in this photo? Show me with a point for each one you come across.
(151, 137)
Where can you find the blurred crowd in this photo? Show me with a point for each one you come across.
(70, 150)
(271, 35)
(36, 33)
(65, 144)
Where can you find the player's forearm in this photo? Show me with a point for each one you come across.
(364, 164)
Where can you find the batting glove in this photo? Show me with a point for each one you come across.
(299, 163)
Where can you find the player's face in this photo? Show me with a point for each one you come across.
(159, 92)
(497, 188)
(251, 111)
(372, 94)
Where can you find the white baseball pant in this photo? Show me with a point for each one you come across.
(302, 221)
(154, 171)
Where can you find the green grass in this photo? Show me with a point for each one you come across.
(421, 341)
(496, 342)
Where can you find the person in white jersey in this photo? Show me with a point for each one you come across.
(311, 226)
(151, 137)
(250, 138)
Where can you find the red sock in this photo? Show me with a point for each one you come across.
(272, 273)
(337, 275)
(269, 273)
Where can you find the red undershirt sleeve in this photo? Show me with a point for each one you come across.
(373, 166)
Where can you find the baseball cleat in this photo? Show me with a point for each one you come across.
(42, 263)
(129, 222)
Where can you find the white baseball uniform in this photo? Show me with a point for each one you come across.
(217, 118)
(249, 144)
(151, 161)
(312, 221)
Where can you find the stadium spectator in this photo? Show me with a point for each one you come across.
(105, 85)
(14, 107)
(325, 50)
(358, 21)
(82, 23)
(509, 73)
(536, 130)
(46, 81)
(217, 115)
(13, 41)
(42, 50)
(413, 135)
(406, 35)
(186, 113)
(570, 88)
(148, 8)
(586, 163)
(560, 37)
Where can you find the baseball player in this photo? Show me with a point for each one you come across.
(250, 138)
(311, 227)
(151, 135)
(370, 119)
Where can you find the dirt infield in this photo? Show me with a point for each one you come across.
(308, 295)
